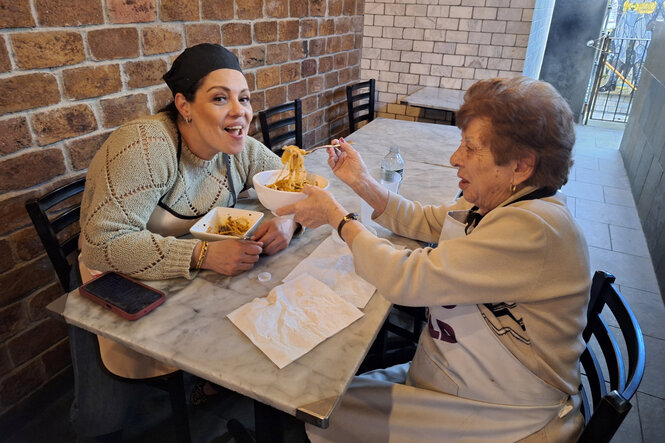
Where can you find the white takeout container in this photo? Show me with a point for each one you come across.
(272, 199)
(218, 215)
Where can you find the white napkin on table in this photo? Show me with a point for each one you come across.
(293, 318)
(332, 263)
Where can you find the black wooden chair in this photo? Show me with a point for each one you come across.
(604, 411)
(359, 101)
(276, 130)
(102, 401)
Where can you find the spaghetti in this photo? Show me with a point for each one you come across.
(232, 225)
(293, 176)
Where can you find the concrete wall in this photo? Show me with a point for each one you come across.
(643, 151)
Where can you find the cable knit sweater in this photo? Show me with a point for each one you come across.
(136, 167)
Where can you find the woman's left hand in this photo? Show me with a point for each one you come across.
(319, 208)
(275, 234)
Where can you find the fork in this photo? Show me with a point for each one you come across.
(309, 151)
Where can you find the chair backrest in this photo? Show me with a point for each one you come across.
(273, 129)
(360, 101)
(48, 229)
(604, 411)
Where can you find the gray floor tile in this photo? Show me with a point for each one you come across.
(584, 161)
(587, 191)
(616, 196)
(597, 234)
(602, 177)
(649, 310)
(630, 270)
(652, 383)
(652, 417)
(607, 213)
(630, 430)
(630, 241)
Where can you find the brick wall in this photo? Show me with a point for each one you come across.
(73, 70)
(409, 44)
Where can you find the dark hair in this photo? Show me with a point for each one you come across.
(527, 117)
(189, 94)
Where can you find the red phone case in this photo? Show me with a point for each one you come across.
(84, 291)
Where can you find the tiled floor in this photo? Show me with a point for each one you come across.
(599, 196)
(601, 200)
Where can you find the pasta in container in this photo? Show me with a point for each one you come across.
(293, 176)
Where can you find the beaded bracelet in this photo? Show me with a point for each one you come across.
(202, 254)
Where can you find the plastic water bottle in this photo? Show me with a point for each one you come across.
(391, 163)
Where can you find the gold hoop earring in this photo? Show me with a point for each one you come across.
(513, 188)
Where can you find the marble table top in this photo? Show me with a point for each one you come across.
(435, 98)
(190, 330)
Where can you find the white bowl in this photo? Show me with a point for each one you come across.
(272, 199)
(218, 215)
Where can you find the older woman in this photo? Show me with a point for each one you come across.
(157, 175)
(506, 287)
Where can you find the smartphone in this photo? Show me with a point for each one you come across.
(126, 297)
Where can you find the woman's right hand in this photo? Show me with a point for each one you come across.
(346, 163)
(231, 257)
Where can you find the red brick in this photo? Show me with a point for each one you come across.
(62, 123)
(28, 91)
(258, 100)
(265, 31)
(354, 57)
(277, 8)
(317, 8)
(144, 73)
(315, 84)
(5, 364)
(325, 99)
(298, 50)
(83, 149)
(314, 120)
(308, 67)
(161, 97)
(91, 81)
(131, 11)
(14, 135)
(345, 76)
(202, 33)
(29, 169)
(332, 80)
(236, 34)
(12, 212)
(251, 80)
(350, 7)
(24, 279)
(327, 27)
(13, 318)
(316, 46)
(20, 383)
(249, 9)
(308, 28)
(325, 64)
(116, 111)
(340, 60)
(47, 49)
(299, 8)
(277, 53)
(185, 10)
(253, 56)
(357, 23)
(39, 300)
(333, 44)
(289, 30)
(348, 42)
(16, 14)
(161, 39)
(297, 90)
(290, 72)
(56, 358)
(6, 256)
(36, 340)
(335, 7)
(343, 25)
(112, 43)
(5, 62)
(267, 77)
(27, 243)
(217, 9)
(68, 12)
(275, 96)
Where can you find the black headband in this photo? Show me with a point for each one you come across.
(195, 63)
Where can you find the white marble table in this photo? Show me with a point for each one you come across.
(436, 98)
(191, 331)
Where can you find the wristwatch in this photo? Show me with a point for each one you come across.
(348, 217)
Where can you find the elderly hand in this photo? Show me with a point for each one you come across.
(231, 257)
(275, 234)
(319, 208)
(347, 164)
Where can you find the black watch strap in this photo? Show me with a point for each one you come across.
(348, 217)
